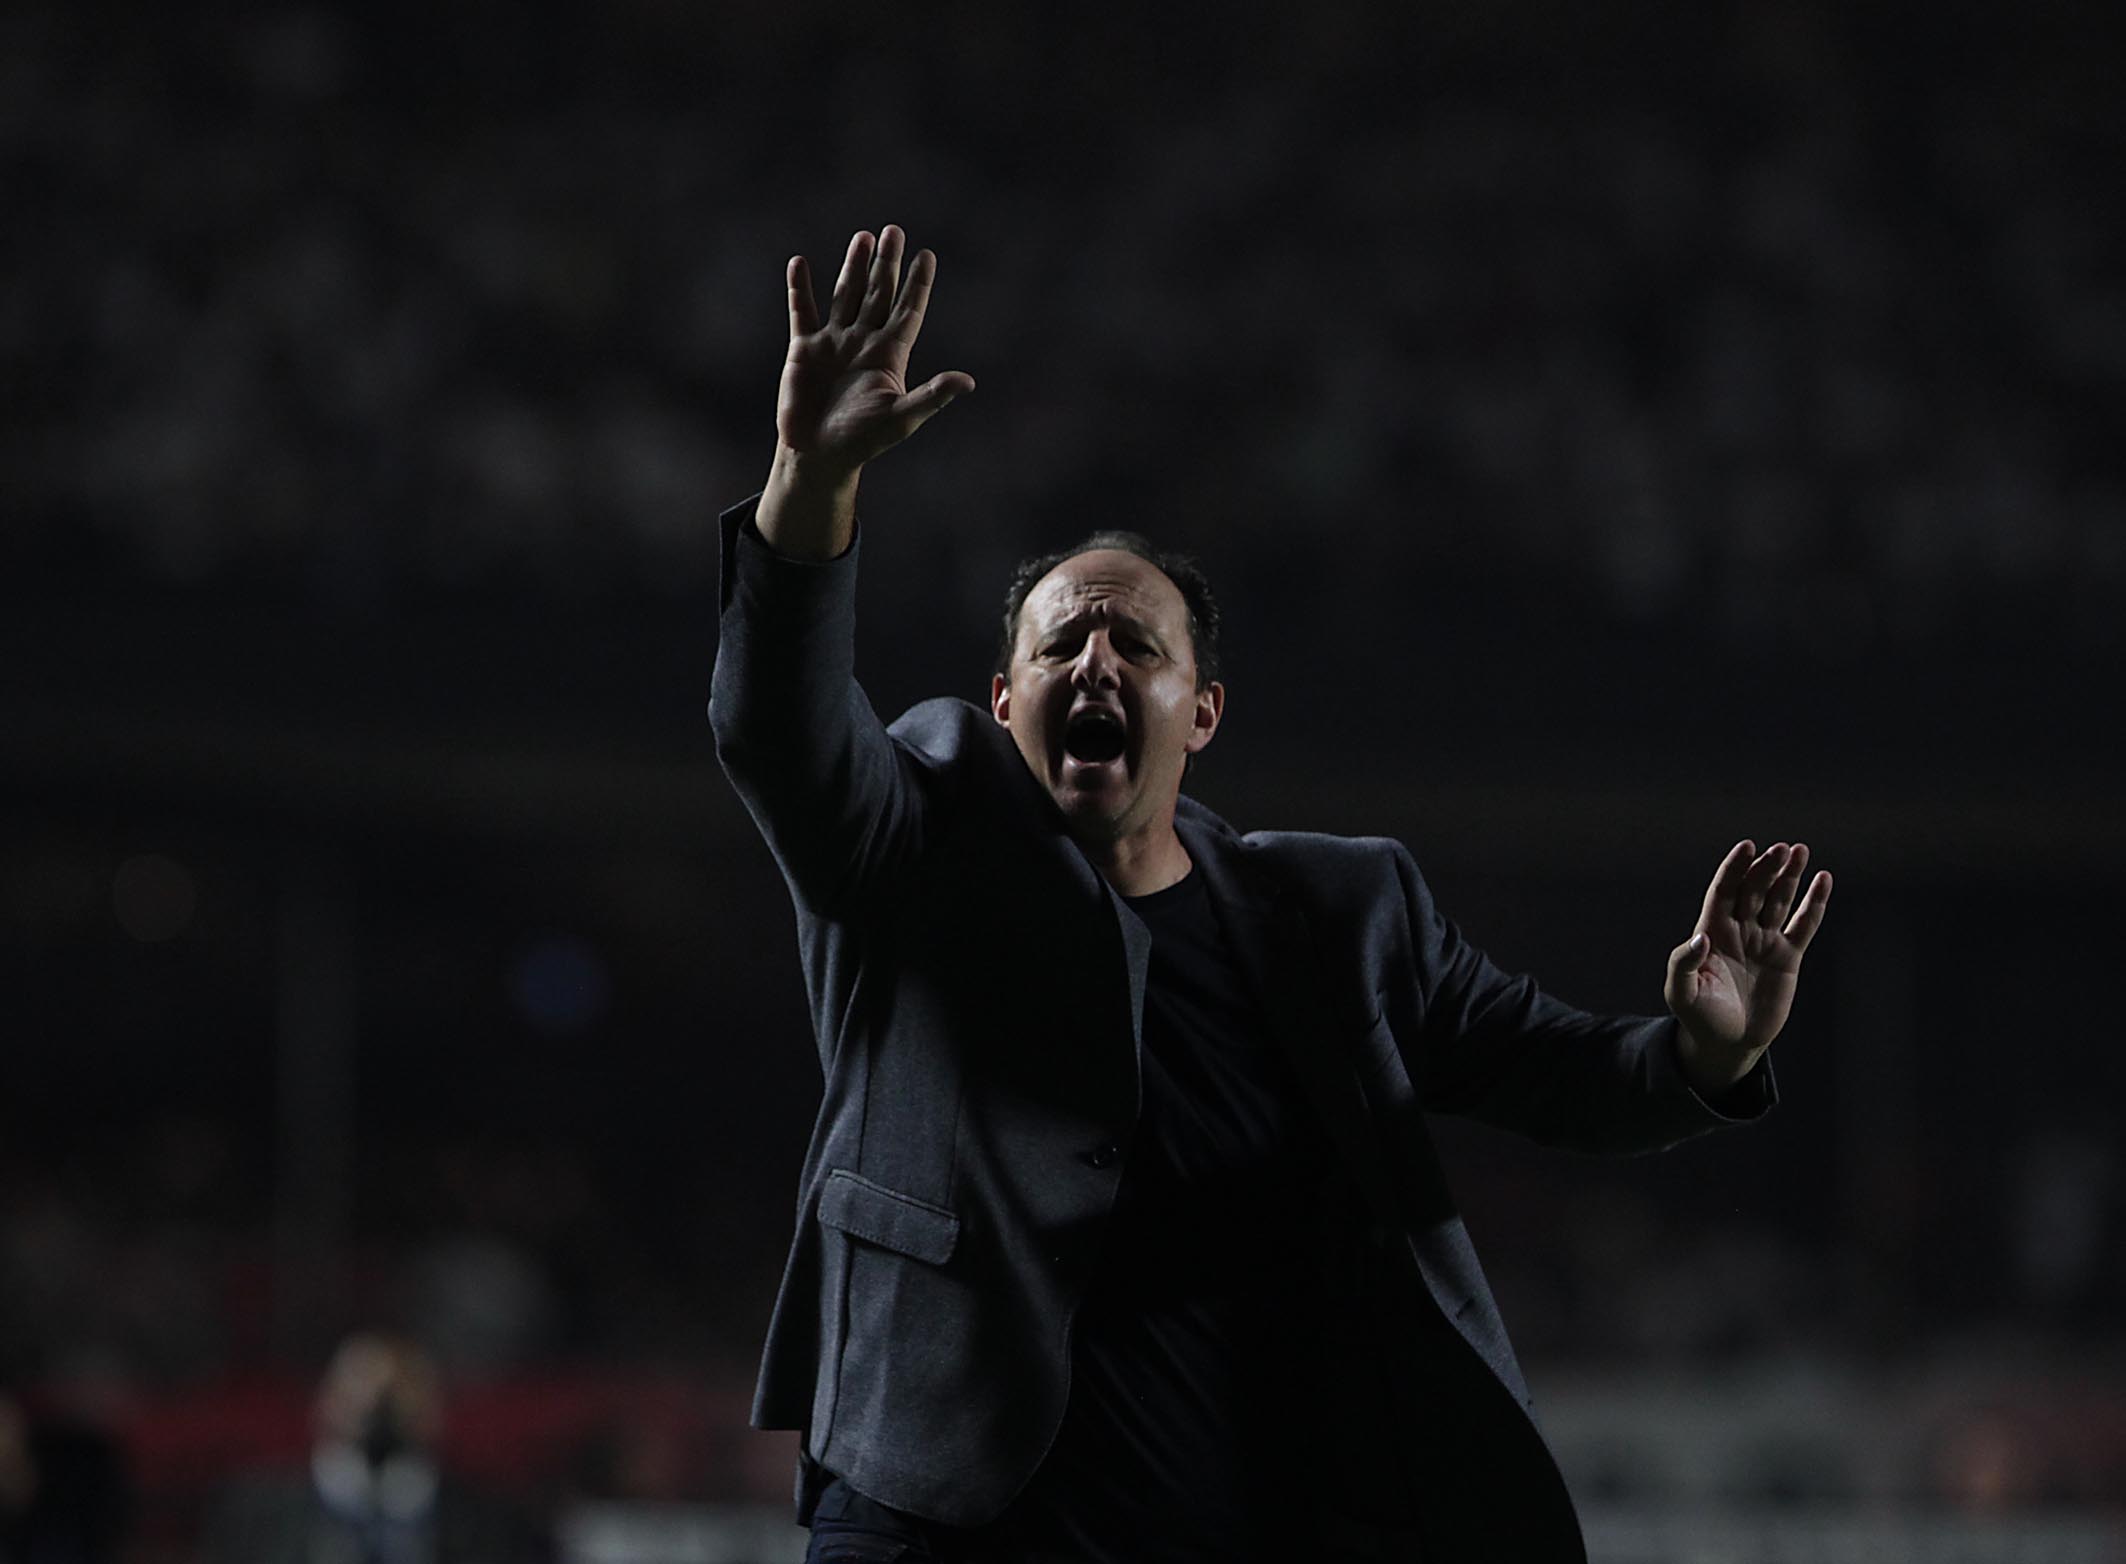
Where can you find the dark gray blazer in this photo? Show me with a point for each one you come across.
(976, 991)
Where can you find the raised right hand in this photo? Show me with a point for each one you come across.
(845, 396)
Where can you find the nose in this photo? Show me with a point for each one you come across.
(1095, 668)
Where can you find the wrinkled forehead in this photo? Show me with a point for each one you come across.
(1106, 584)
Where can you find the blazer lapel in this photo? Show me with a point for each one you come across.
(1089, 884)
(1275, 946)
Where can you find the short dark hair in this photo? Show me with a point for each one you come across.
(1181, 569)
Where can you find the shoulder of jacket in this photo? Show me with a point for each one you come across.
(966, 753)
(1331, 874)
(946, 728)
(1320, 851)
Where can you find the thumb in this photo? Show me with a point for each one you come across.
(930, 398)
(1685, 959)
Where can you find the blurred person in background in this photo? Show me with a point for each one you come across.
(64, 1498)
(375, 1491)
(1122, 1238)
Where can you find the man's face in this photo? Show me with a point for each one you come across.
(377, 1387)
(1102, 698)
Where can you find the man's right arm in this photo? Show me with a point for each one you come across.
(813, 764)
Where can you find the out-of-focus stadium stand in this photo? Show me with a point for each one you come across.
(1613, 431)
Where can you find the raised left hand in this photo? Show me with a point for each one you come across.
(1732, 982)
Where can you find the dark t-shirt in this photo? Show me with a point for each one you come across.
(1193, 1351)
(1189, 1352)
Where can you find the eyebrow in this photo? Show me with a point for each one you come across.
(1120, 618)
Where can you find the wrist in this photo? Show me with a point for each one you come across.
(807, 508)
(812, 472)
(1711, 1070)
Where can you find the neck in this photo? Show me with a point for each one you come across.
(1138, 864)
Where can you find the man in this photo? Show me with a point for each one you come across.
(375, 1491)
(1121, 1236)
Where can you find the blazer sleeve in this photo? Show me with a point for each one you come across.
(838, 799)
(1495, 1047)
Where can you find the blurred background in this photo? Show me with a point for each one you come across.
(1612, 430)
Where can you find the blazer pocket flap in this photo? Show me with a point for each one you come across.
(852, 1204)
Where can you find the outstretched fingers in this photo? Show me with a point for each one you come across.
(1808, 917)
(885, 277)
(1726, 886)
(1757, 882)
(869, 291)
(906, 321)
(1779, 895)
(849, 286)
(804, 311)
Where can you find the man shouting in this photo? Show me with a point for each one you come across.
(1120, 1236)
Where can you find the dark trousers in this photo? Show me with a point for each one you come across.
(847, 1528)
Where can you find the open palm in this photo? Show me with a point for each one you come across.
(1732, 982)
(844, 396)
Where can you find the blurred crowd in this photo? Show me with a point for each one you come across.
(1801, 323)
(154, 1259)
(1808, 315)
(158, 1339)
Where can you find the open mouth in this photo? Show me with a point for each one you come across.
(1094, 737)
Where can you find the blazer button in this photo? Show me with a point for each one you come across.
(1104, 1156)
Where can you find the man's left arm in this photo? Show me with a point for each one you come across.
(1496, 1047)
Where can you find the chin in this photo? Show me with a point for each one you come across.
(1093, 813)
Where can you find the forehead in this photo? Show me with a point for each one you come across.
(1107, 581)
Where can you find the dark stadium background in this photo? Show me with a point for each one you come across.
(1613, 430)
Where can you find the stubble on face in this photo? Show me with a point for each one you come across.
(1102, 698)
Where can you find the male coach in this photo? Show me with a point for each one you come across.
(1120, 1235)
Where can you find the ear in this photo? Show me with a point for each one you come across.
(1000, 699)
(1210, 707)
